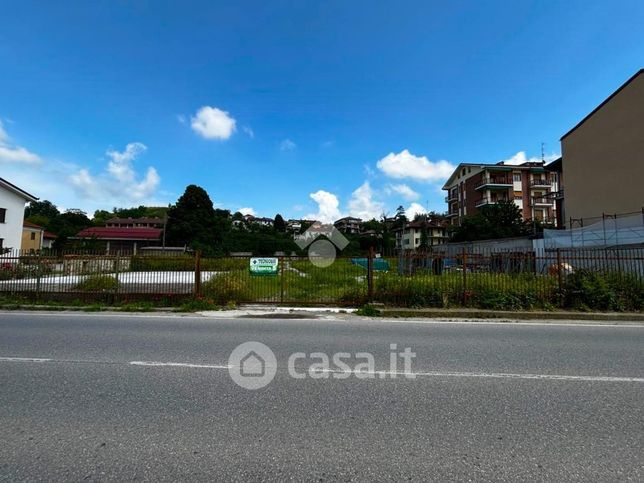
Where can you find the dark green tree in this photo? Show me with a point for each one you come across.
(191, 222)
(43, 208)
(279, 224)
(499, 220)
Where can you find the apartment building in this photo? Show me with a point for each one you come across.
(408, 238)
(348, 224)
(528, 185)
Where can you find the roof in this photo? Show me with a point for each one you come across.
(420, 224)
(28, 224)
(637, 74)
(494, 166)
(144, 219)
(16, 190)
(113, 233)
(49, 235)
(349, 218)
(556, 165)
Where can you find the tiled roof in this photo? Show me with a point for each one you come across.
(113, 233)
(28, 224)
(135, 220)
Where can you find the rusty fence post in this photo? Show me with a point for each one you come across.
(117, 267)
(464, 259)
(197, 290)
(559, 278)
(370, 275)
(282, 281)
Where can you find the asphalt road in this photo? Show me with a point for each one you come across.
(500, 402)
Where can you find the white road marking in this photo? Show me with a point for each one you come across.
(492, 375)
(23, 359)
(178, 364)
(376, 374)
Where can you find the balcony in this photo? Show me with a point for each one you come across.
(540, 183)
(486, 200)
(542, 201)
(494, 182)
(450, 198)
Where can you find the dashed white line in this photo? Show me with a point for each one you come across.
(375, 374)
(24, 359)
(178, 364)
(490, 375)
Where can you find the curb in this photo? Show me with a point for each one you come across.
(520, 315)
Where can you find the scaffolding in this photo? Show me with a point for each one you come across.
(616, 230)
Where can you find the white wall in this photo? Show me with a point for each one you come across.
(11, 229)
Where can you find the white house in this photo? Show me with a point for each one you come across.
(12, 212)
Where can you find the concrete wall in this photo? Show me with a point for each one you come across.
(603, 159)
(11, 229)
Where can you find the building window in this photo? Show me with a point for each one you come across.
(33, 235)
(1, 243)
(3, 214)
(517, 177)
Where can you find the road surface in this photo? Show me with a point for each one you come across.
(122, 397)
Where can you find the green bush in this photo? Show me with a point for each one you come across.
(368, 310)
(227, 288)
(185, 263)
(98, 283)
(587, 290)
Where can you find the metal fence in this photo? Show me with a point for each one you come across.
(529, 278)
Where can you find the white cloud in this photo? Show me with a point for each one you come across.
(15, 154)
(4, 137)
(213, 123)
(18, 154)
(247, 211)
(181, 118)
(407, 165)
(328, 207)
(362, 203)
(403, 190)
(287, 145)
(249, 132)
(413, 210)
(119, 181)
(521, 158)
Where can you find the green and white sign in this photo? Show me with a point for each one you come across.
(263, 266)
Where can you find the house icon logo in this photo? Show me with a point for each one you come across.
(322, 251)
(252, 365)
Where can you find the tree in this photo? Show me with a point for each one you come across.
(68, 224)
(279, 224)
(423, 246)
(499, 220)
(43, 208)
(191, 221)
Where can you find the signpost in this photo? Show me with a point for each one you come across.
(263, 266)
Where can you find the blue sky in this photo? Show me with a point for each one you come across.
(303, 108)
